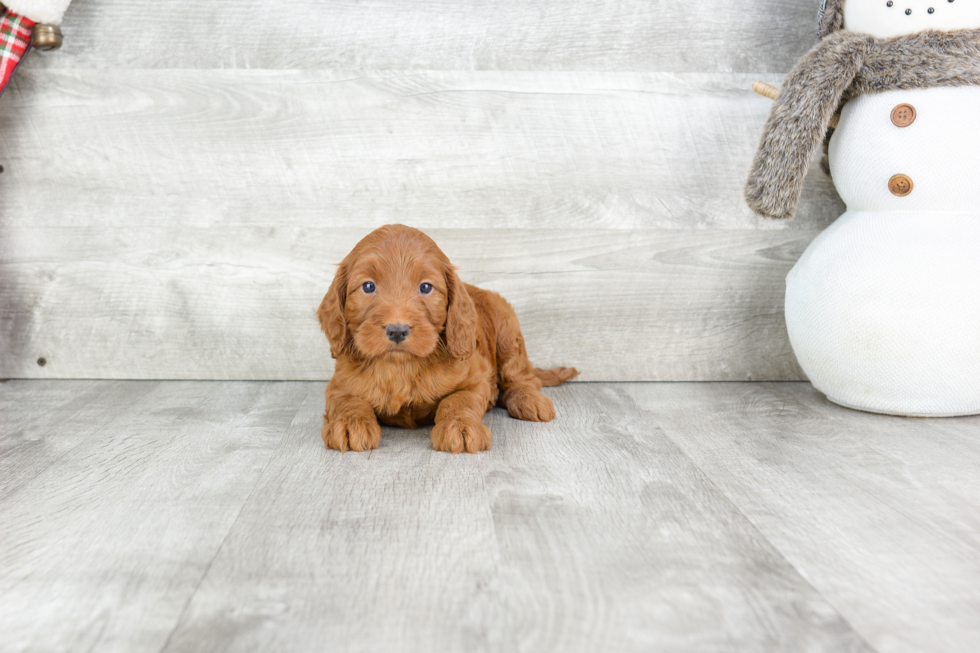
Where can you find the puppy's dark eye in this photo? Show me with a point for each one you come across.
(368, 287)
(425, 288)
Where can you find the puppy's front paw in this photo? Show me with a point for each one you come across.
(352, 433)
(458, 435)
(529, 405)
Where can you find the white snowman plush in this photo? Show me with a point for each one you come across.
(883, 308)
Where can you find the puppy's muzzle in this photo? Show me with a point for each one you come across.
(397, 332)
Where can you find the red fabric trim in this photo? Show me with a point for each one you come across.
(15, 40)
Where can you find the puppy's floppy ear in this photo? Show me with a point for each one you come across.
(331, 312)
(461, 317)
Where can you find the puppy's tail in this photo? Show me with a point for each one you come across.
(557, 376)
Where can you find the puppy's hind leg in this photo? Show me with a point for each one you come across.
(521, 382)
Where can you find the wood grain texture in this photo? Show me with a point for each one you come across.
(74, 411)
(124, 496)
(711, 35)
(878, 513)
(191, 302)
(429, 149)
(196, 212)
(203, 516)
(592, 533)
(170, 202)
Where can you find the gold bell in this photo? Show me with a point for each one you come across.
(47, 37)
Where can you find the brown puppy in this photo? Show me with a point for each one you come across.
(415, 345)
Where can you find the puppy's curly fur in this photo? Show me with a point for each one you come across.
(463, 351)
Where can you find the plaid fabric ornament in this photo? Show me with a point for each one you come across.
(15, 38)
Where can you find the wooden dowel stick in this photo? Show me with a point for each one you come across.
(768, 90)
(772, 93)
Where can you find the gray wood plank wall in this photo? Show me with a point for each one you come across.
(180, 179)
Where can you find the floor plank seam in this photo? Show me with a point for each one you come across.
(10, 492)
(803, 578)
(231, 528)
(755, 528)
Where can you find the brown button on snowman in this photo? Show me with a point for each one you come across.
(883, 308)
(903, 115)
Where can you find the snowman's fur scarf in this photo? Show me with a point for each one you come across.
(842, 66)
(831, 17)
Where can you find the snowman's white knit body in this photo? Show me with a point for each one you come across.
(883, 308)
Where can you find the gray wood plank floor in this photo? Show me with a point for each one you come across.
(196, 516)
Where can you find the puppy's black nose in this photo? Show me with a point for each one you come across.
(397, 332)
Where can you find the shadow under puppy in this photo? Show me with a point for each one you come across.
(414, 345)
